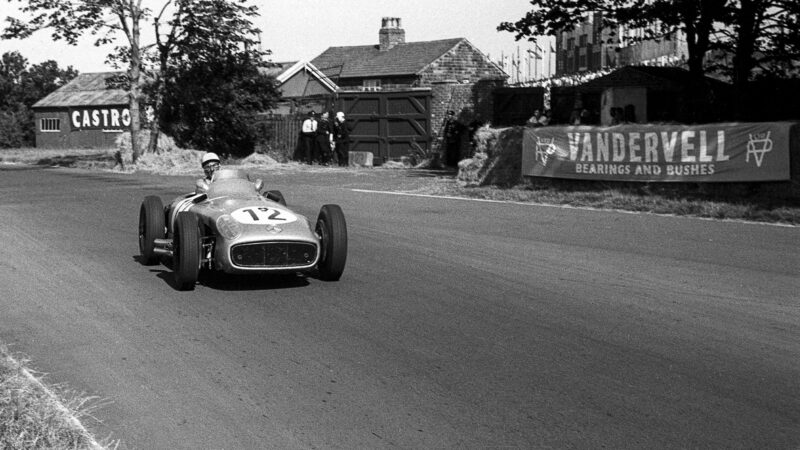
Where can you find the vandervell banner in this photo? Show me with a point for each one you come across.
(713, 152)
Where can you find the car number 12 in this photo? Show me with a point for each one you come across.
(263, 215)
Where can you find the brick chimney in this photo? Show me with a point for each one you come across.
(391, 34)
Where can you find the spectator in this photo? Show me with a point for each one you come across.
(616, 115)
(575, 117)
(452, 139)
(535, 118)
(308, 132)
(324, 139)
(544, 120)
(630, 114)
(586, 117)
(341, 139)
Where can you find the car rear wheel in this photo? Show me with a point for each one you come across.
(332, 228)
(276, 196)
(151, 227)
(186, 251)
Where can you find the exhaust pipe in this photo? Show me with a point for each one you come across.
(162, 247)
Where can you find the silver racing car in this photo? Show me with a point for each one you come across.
(228, 225)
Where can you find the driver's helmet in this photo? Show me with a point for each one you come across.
(210, 163)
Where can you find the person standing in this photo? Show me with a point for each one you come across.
(308, 133)
(452, 139)
(341, 139)
(324, 139)
(535, 118)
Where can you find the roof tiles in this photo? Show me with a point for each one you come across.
(369, 61)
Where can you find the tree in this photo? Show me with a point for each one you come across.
(200, 32)
(759, 38)
(12, 69)
(20, 87)
(69, 19)
(209, 86)
(659, 19)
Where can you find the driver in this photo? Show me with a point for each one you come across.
(210, 163)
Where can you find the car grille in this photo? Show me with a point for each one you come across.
(273, 254)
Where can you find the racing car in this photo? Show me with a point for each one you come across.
(229, 225)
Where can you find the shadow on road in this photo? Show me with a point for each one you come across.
(227, 282)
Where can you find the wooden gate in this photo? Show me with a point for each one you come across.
(390, 124)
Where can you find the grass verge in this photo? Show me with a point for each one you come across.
(33, 416)
(778, 203)
(759, 202)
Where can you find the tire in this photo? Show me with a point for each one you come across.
(186, 251)
(151, 227)
(276, 196)
(332, 228)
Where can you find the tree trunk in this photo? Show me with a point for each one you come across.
(155, 125)
(747, 20)
(134, 76)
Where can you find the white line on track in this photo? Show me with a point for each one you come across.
(584, 208)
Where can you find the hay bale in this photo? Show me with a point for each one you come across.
(497, 160)
(258, 160)
(169, 158)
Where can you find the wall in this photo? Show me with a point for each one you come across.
(463, 63)
(68, 138)
(473, 104)
(302, 84)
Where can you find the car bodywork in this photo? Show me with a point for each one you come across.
(227, 225)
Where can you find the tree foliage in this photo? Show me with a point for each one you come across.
(21, 86)
(211, 106)
(207, 86)
(743, 37)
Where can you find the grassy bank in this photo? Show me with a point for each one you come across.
(761, 202)
(33, 416)
(778, 203)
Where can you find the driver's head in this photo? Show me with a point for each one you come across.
(210, 163)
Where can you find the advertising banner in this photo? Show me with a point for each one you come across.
(105, 118)
(693, 153)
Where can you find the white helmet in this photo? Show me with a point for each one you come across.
(209, 157)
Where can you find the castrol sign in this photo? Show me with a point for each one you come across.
(104, 118)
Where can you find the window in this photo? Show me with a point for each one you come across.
(582, 63)
(50, 125)
(372, 85)
(583, 40)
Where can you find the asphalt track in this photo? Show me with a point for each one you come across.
(457, 324)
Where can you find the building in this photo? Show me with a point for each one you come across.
(643, 93)
(88, 112)
(395, 63)
(302, 87)
(398, 92)
(591, 48)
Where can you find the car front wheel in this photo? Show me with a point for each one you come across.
(186, 251)
(332, 229)
(151, 227)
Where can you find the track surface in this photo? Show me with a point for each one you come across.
(456, 324)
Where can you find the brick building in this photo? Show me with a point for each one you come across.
(87, 112)
(456, 75)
